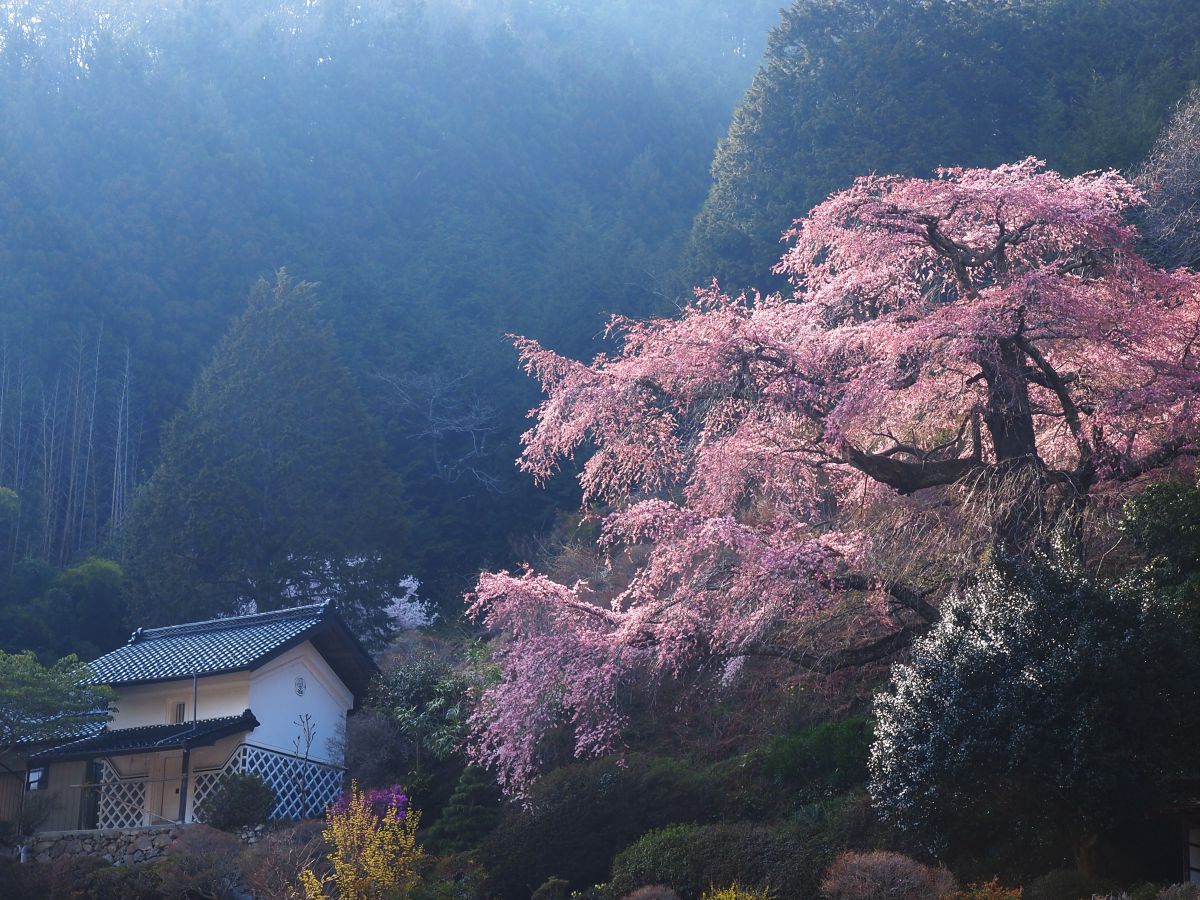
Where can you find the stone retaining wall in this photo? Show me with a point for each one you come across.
(119, 846)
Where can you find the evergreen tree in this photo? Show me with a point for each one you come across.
(473, 810)
(272, 490)
(1044, 707)
(854, 86)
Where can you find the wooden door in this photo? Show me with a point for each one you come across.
(172, 782)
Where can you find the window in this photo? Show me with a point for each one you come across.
(179, 713)
(35, 779)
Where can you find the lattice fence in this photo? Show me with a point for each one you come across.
(302, 789)
(207, 781)
(122, 801)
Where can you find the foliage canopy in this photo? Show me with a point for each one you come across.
(43, 703)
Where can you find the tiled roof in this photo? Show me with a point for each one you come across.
(68, 733)
(149, 738)
(206, 648)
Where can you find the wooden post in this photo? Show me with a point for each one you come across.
(183, 785)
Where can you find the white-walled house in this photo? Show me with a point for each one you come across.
(198, 702)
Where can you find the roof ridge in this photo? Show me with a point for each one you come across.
(172, 725)
(228, 622)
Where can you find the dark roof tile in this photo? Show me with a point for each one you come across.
(205, 648)
(236, 644)
(149, 738)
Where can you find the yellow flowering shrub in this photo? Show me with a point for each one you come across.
(737, 892)
(374, 855)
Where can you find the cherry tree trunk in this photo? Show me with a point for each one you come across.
(1009, 420)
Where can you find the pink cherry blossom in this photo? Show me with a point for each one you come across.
(945, 337)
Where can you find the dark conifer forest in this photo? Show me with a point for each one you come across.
(444, 173)
(757, 441)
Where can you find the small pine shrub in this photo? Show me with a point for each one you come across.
(882, 874)
(473, 810)
(241, 800)
(457, 877)
(845, 822)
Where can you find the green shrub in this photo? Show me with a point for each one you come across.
(691, 859)
(241, 799)
(576, 818)
(137, 882)
(845, 822)
(821, 759)
(79, 878)
(1067, 884)
(457, 877)
(19, 881)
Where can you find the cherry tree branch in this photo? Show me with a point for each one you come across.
(910, 477)
(1132, 469)
(848, 658)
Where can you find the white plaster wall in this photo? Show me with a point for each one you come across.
(153, 704)
(277, 706)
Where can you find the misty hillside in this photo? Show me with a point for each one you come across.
(448, 173)
(611, 450)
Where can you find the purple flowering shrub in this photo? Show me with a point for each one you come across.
(381, 801)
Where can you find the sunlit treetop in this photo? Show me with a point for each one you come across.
(988, 343)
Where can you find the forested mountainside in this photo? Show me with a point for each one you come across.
(447, 172)
(877, 86)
